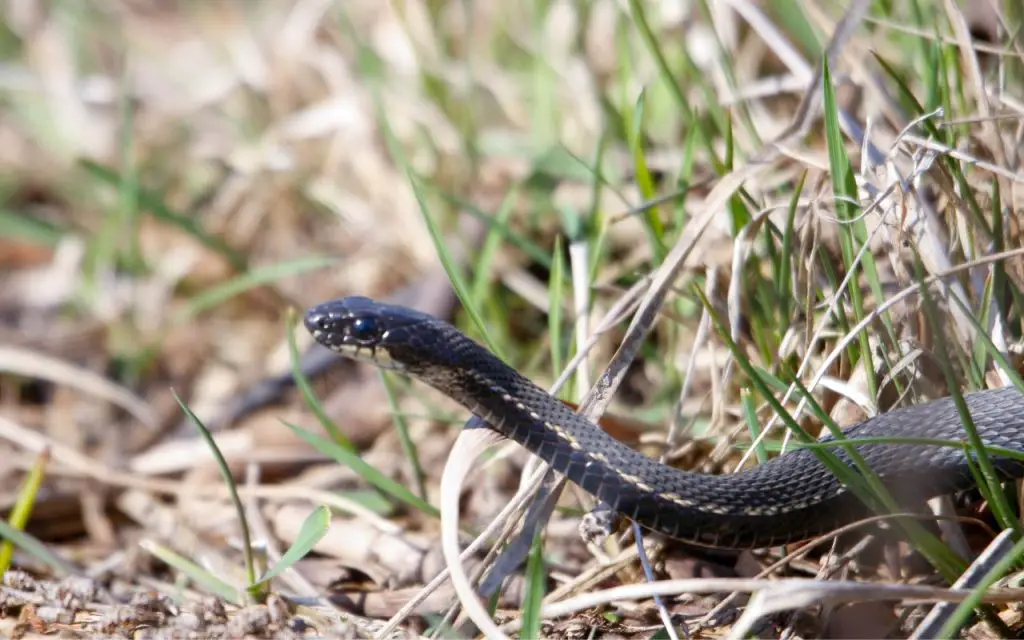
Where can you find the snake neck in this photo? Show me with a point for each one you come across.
(491, 389)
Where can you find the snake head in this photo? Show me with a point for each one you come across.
(366, 330)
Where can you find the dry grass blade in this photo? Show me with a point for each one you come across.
(514, 506)
(37, 365)
(898, 297)
(808, 548)
(779, 595)
(940, 613)
(468, 447)
(68, 460)
(970, 60)
(837, 351)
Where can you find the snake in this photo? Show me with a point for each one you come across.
(789, 498)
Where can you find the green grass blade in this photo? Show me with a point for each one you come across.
(450, 267)
(754, 425)
(783, 278)
(150, 201)
(18, 226)
(852, 232)
(536, 587)
(964, 610)
(556, 298)
(524, 244)
(302, 382)
(365, 471)
(492, 242)
(313, 529)
(194, 572)
(236, 500)
(22, 510)
(651, 218)
(37, 549)
(988, 479)
(834, 464)
(249, 280)
(404, 438)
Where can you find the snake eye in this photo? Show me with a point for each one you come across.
(364, 329)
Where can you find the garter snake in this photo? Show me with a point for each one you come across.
(791, 497)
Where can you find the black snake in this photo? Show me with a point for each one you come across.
(790, 498)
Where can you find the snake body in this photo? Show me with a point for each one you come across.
(790, 498)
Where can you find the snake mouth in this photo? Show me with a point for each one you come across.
(377, 356)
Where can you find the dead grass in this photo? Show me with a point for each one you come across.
(175, 176)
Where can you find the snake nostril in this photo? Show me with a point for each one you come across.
(315, 321)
